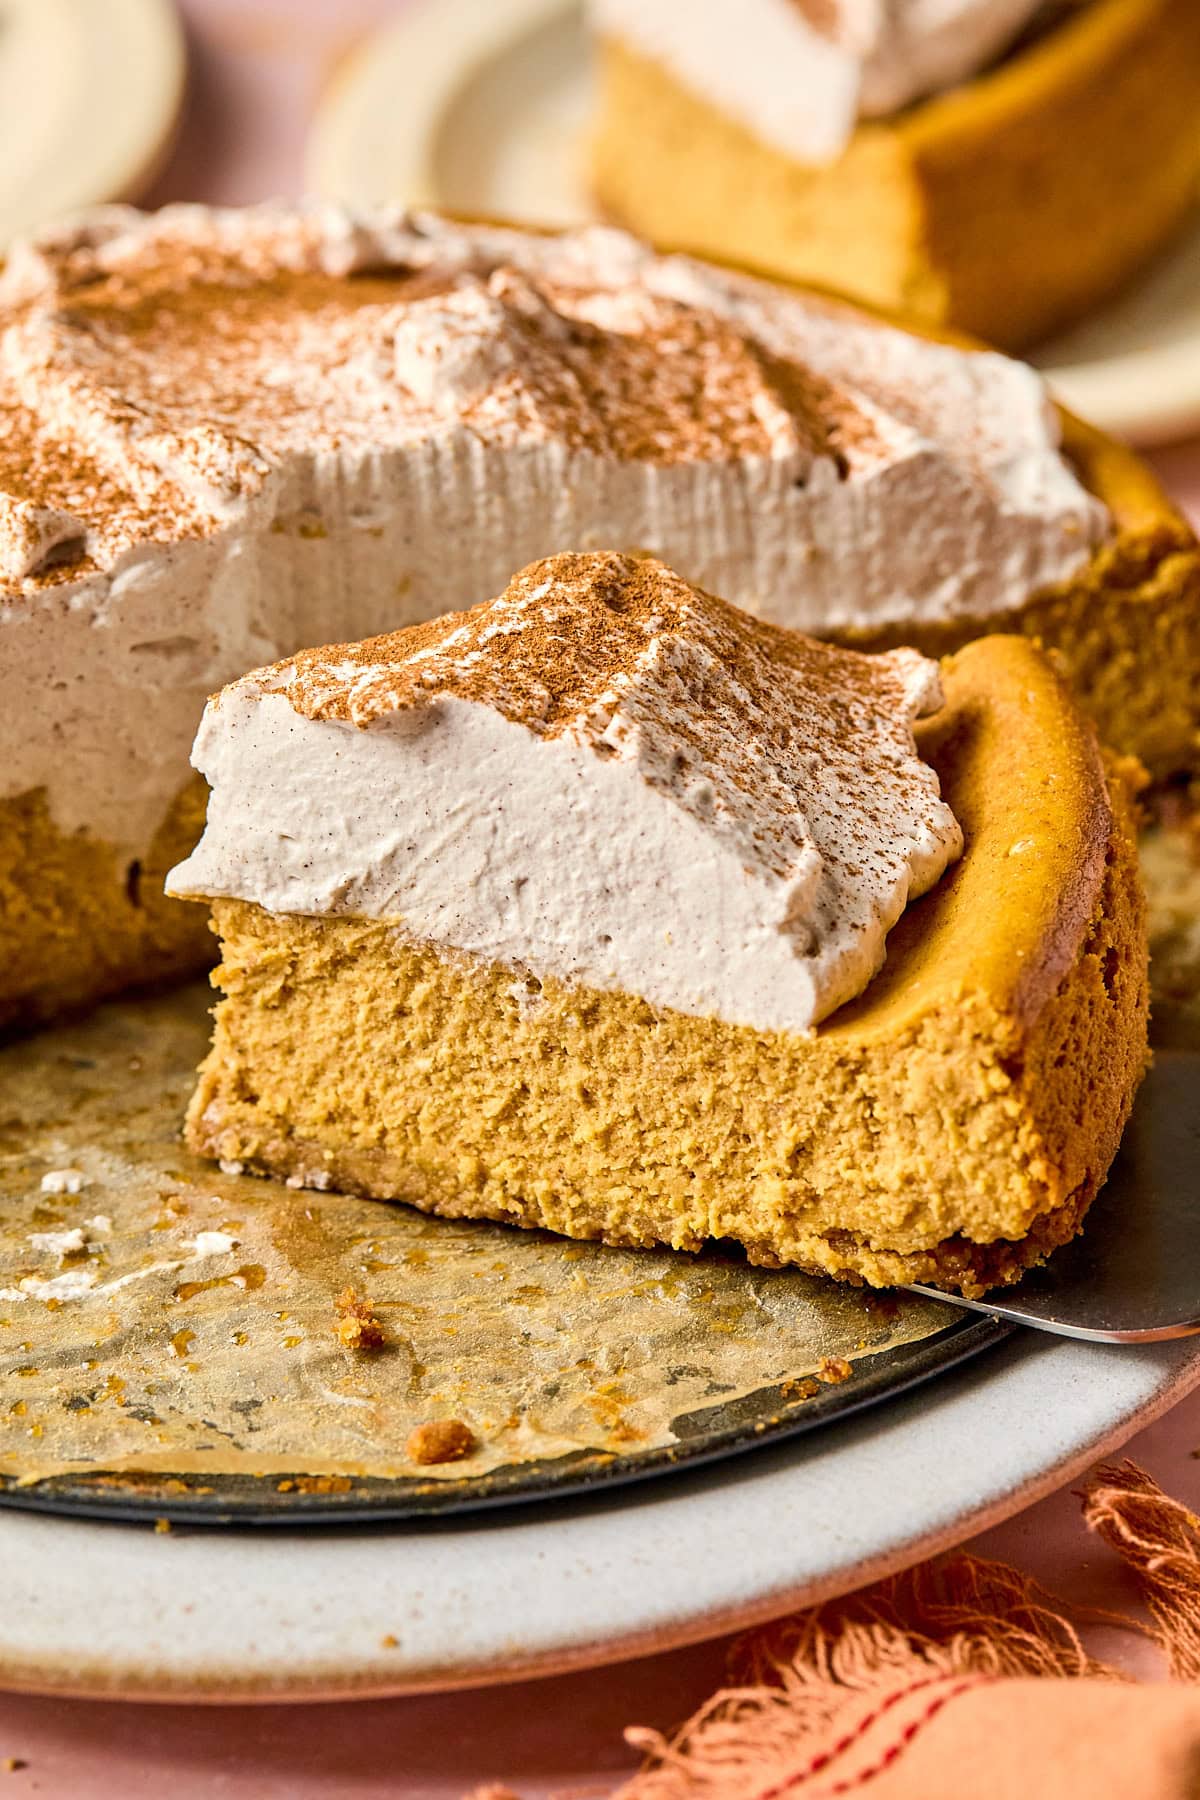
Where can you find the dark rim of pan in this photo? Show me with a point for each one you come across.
(768, 1416)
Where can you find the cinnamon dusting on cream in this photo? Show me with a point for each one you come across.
(224, 435)
(604, 775)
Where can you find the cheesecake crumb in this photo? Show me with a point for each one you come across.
(314, 1484)
(63, 1244)
(63, 1181)
(389, 1641)
(441, 1441)
(162, 1527)
(832, 1369)
(357, 1327)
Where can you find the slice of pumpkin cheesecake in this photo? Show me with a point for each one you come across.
(607, 908)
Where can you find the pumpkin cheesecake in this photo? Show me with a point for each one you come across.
(596, 908)
(225, 435)
(998, 165)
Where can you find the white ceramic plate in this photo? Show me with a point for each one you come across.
(279, 1614)
(482, 105)
(90, 92)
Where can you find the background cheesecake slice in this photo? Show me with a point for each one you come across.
(570, 911)
(925, 158)
(224, 435)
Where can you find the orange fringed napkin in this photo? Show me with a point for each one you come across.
(934, 1684)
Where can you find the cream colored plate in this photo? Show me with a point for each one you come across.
(283, 1614)
(482, 105)
(90, 92)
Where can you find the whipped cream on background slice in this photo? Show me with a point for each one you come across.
(606, 776)
(801, 73)
(225, 435)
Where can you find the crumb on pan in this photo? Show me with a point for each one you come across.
(356, 1326)
(439, 1441)
(314, 1484)
(833, 1369)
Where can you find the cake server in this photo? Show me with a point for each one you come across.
(1133, 1277)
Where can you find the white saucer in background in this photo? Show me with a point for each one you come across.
(474, 105)
(90, 93)
(482, 106)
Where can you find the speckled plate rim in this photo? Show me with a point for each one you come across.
(121, 1611)
(1133, 368)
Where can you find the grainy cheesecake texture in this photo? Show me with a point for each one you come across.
(949, 1124)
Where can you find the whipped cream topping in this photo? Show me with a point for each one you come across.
(606, 775)
(801, 73)
(224, 435)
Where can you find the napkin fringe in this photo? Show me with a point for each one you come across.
(1159, 1538)
(807, 1690)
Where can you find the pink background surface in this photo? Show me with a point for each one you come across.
(257, 69)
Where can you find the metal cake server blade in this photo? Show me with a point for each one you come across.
(1133, 1277)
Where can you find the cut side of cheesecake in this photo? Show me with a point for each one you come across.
(525, 918)
(225, 435)
(1008, 205)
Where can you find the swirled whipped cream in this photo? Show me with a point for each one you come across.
(225, 435)
(801, 73)
(606, 775)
